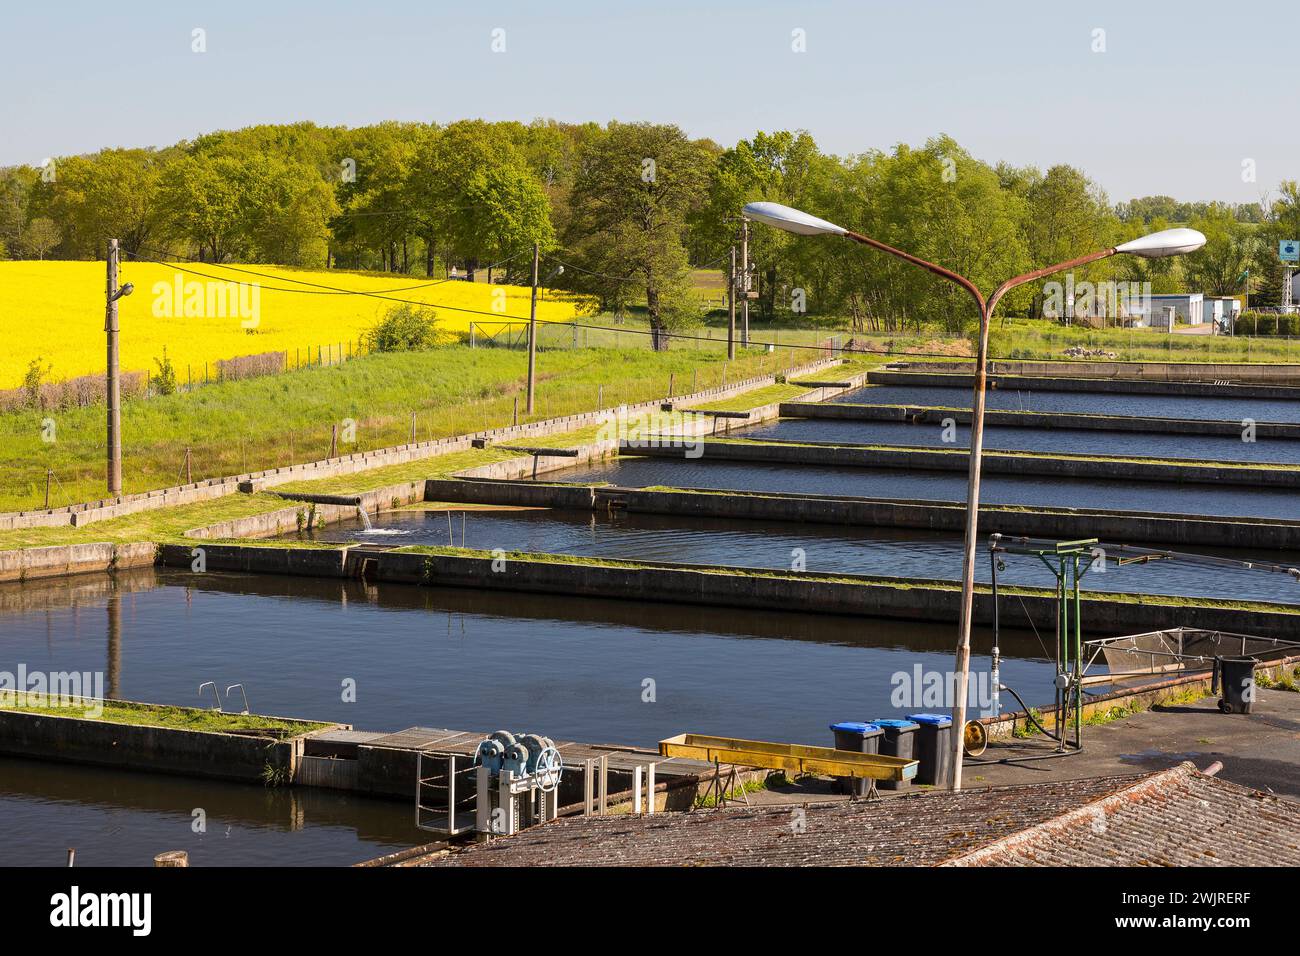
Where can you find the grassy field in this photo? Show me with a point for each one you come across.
(54, 311)
(1036, 339)
(239, 426)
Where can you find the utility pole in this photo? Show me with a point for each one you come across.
(113, 392)
(532, 332)
(731, 307)
(744, 282)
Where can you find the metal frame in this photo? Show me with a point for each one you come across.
(1069, 561)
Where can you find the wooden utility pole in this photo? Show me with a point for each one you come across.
(113, 391)
(532, 333)
(731, 307)
(744, 282)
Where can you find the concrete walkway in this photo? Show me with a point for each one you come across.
(1259, 750)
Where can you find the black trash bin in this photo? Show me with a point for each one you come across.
(897, 741)
(1237, 676)
(933, 747)
(859, 738)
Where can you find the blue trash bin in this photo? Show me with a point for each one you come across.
(933, 747)
(859, 738)
(897, 741)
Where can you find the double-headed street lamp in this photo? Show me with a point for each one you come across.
(1168, 242)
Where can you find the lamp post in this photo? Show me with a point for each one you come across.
(1169, 242)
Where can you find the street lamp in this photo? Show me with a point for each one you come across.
(1158, 245)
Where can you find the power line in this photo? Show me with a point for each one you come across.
(326, 290)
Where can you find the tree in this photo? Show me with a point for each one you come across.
(1218, 267)
(474, 190)
(772, 167)
(636, 187)
(40, 236)
(112, 193)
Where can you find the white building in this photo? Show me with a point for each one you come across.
(1222, 310)
(1189, 309)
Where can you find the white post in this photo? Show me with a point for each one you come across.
(636, 789)
(650, 789)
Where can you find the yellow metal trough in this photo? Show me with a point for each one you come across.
(796, 758)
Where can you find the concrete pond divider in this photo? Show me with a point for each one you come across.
(25, 564)
(900, 598)
(245, 756)
(936, 415)
(1044, 383)
(1059, 523)
(994, 462)
(1265, 373)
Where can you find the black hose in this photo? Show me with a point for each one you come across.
(1074, 748)
(1029, 714)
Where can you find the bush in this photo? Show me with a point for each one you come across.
(1267, 323)
(165, 381)
(32, 384)
(405, 328)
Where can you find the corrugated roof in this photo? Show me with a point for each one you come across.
(1178, 816)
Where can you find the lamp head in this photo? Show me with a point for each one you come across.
(1167, 242)
(791, 220)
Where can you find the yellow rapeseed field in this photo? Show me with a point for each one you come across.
(54, 311)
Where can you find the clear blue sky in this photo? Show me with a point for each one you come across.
(1183, 94)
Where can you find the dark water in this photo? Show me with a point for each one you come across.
(119, 818)
(570, 668)
(1143, 496)
(1098, 403)
(1055, 440)
(823, 548)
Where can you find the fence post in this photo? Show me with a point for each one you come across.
(412, 428)
(187, 466)
(516, 416)
(672, 380)
(334, 440)
(47, 489)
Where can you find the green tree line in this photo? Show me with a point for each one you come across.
(630, 208)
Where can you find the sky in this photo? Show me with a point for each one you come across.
(1191, 99)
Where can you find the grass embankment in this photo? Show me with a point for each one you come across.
(254, 424)
(169, 524)
(161, 715)
(1037, 339)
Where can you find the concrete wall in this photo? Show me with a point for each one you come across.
(1262, 373)
(1141, 386)
(902, 598)
(1060, 524)
(994, 463)
(88, 512)
(247, 558)
(921, 414)
(139, 747)
(25, 564)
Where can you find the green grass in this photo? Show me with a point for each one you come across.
(160, 525)
(169, 524)
(254, 424)
(756, 399)
(179, 718)
(1041, 339)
